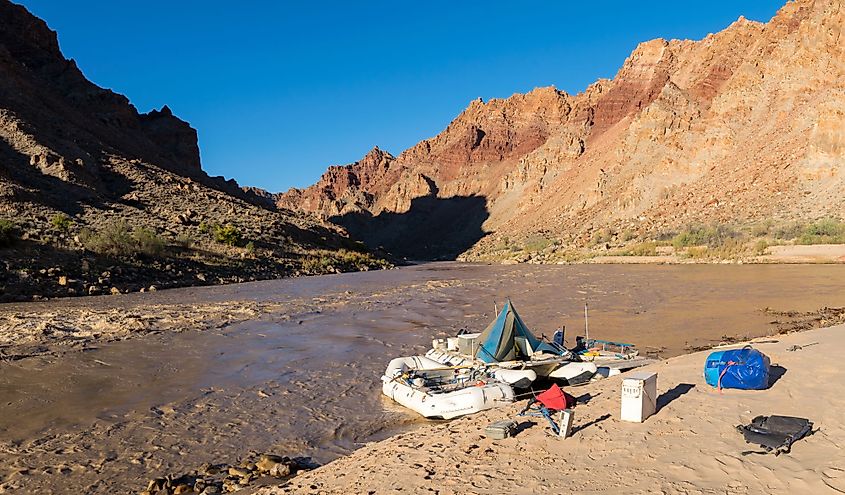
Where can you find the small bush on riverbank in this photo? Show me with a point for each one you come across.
(536, 243)
(341, 260)
(601, 236)
(641, 249)
(117, 239)
(8, 233)
(711, 236)
(825, 231)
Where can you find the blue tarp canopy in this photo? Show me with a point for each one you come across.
(506, 338)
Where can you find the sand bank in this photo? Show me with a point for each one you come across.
(689, 446)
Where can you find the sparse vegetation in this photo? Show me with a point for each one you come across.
(147, 242)
(342, 260)
(786, 231)
(536, 243)
(628, 235)
(825, 231)
(226, 234)
(61, 222)
(117, 239)
(601, 236)
(184, 241)
(642, 249)
(711, 236)
(8, 233)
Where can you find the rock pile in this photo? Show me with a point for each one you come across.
(213, 479)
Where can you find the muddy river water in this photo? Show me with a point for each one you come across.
(305, 380)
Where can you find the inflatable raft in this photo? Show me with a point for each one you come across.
(443, 392)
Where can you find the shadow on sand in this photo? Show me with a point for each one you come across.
(678, 390)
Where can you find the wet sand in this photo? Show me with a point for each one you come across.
(123, 388)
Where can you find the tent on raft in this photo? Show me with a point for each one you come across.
(508, 339)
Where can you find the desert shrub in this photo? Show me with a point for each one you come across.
(226, 234)
(250, 247)
(536, 243)
(825, 231)
(786, 231)
(729, 249)
(8, 233)
(147, 242)
(184, 241)
(642, 249)
(204, 228)
(117, 239)
(322, 261)
(628, 235)
(696, 252)
(711, 235)
(762, 229)
(61, 222)
(601, 236)
(760, 247)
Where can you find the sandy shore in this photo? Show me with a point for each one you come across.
(689, 446)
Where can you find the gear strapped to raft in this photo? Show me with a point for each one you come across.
(775, 434)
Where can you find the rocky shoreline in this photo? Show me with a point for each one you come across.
(214, 479)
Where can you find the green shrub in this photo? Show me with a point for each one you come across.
(61, 222)
(8, 233)
(114, 238)
(320, 261)
(536, 243)
(117, 239)
(628, 235)
(147, 242)
(761, 246)
(184, 241)
(825, 231)
(712, 236)
(786, 231)
(226, 234)
(250, 247)
(601, 236)
(642, 249)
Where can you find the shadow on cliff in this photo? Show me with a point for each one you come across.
(432, 229)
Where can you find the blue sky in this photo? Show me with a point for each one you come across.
(280, 90)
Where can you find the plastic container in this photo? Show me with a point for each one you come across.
(500, 429)
(639, 396)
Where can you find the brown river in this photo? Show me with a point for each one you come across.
(303, 379)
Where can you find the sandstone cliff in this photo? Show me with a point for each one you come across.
(743, 125)
(79, 162)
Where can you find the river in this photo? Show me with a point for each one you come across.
(305, 381)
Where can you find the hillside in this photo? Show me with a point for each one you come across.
(742, 129)
(97, 198)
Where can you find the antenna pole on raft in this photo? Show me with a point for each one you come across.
(586, 323)
(496, 308)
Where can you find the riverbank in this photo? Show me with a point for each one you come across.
(148, 385)
(689, 446)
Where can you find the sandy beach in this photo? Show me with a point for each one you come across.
(690, 446)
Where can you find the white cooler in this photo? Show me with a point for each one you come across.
(639, 396)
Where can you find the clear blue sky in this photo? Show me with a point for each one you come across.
(280, 90)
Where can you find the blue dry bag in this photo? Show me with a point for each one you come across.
(745, 368)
